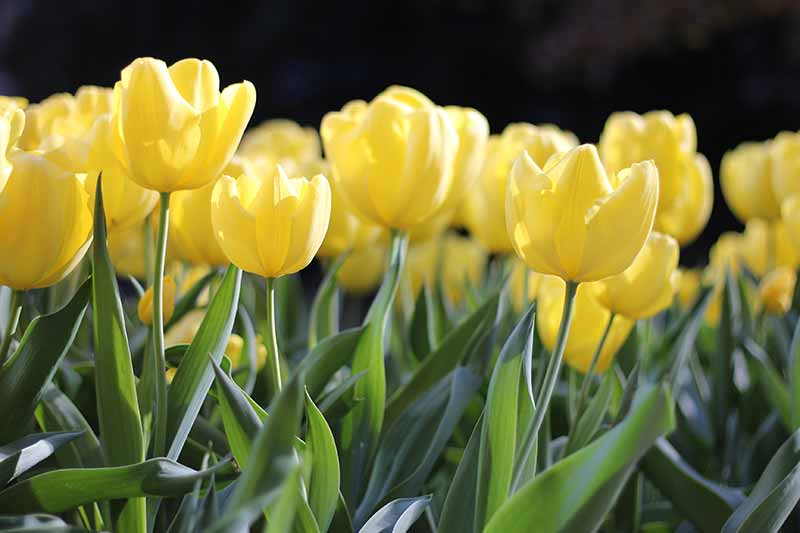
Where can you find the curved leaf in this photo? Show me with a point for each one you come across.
(23, 454)
(323, 485)
(397, 516)
(324, 318)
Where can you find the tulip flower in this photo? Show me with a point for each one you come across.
(688, 215)
(126, 248)
(463, 264)
(12, 122)
(785, 160)
(765, 245)
(145, 307)
(421, 267)
(645, 288)
(363, 269)
(726, 253)
(271, 227)
(473, 135)
(687, 283)
(746, 179)
(776, 290)
(393, 157)
(484, 208)
(281, 142)
(790, 215)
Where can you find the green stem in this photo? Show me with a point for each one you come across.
(160, 433)
(587, 379)
(14, 310)
(548, 386)
(273, 364)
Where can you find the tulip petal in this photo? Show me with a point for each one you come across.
(234, 226)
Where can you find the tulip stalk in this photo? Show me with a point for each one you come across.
(587, 379)
(14, 311)
(273, 364)
(160, 433)
(548, 386)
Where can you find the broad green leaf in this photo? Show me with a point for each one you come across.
(775, 494)
(418, 329)
(240, 420)
(592, 418)
(361, 428)
(26, 374)
(499, 435)
(194, 375)
(452, 351)
(554, 497)
(35, 523)
(328, 356)
(324, 319)
(23, 454)
(56, 412)
(396, 516)
(772, 383)
(456, 516)
(281, 514)
(341, 399)
(323, 485)
(705, 503)
(61, 490)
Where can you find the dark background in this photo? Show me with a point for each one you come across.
(733, 65)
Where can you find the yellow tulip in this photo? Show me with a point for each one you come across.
(271, 227)
(687, 282)
(392, 158)
(483, 211)
(363, 269)
(145, 307)
(516, 284)
(127, 250)
(184, 330)
(463, 262)
(785, 159)
(282, 142)
(178, 129)
(746, 179)
(726, 253)
(765, 245)
(346, 231)
(12, 122)
(473, 135)
(776, 290)
(645, 288)
(688, 214)
(570, 220)
(589, 320)
(45, 223)
(432, 228)
(422, 263)
(790, 214)
(15, 101)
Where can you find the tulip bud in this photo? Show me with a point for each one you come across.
(776, 290)
(688, 215)
(45, 223)
(179, 130)
(145, 307)
(645, 288)
(281, 142)
(271, 227)
(483, 211)
(766, 245)
(589, 320)
(785, 160)
(566, 219)
(393, 158)
(746, 179)
(790, 214)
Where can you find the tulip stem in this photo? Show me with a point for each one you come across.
(273, 355)
(160, 433)
(14, 310)
(548, 386)
(587, 379)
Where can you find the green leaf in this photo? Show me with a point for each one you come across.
(592, 418)
(324, 319)
(361, 428)
(775, 494)
(397, 516)
(24, 377)
(499, 435)
(239, 418)
(341, 399)
(61, 490)
(328, 356)
(728, 332)
(452, 351)
(554, 497)
(35, 523)
(194, 375)
(56, 412)
(281, 514)
(794, 373)
(323, 485)
(23, 454)
(188, 300)
(705, 503)
(772, 383)
(456, 516)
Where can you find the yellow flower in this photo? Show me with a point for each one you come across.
(463, 262)
(184, 330)
(145, 307)
(178, 129)
(645, 288)
(271, 227)
(12, 122)
(432, 228)
(688, 214)
(393, 158)
(483, 211)
(516, 284)
(746, 179)
(766, 245)
(127, 250)
(785, 159)
(282, 142)
(45, 223)
(363, 269)
(346, 231)
(790, 214)
(15, 101)
(572, 221)
(776, 290)
(422, 263)
(589, 320)
(687, 282)
(725, 254)
(473, 134)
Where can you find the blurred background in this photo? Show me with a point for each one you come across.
(734, 65)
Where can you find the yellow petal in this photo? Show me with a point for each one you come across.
(145, 306)
(234, 225)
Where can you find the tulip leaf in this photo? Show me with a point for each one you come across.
(705, 503)
(23, 454)
(324, 318)
(57, 491)
(340, 400)
(361, 428)
(453, 349)
(323, 486)
(35, 523)
(499, 432)
(772, 384)
(397, 516)
(558, 494)
(592, 418)
(239, 418)
(188, 300)
(456, 516)
(195, 375)
(25, 375)
(328, 356)
(774, 495)
(722, 361)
